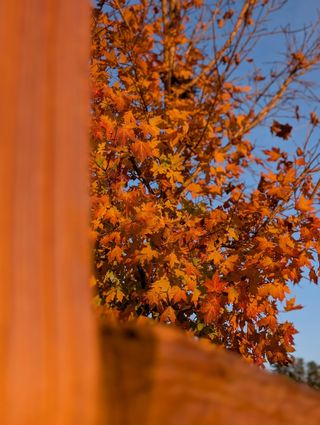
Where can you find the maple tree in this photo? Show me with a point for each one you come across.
(192, 223)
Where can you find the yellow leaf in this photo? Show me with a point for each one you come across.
(216, 256)
(147, 253)
(172, 258)
(119, 295)
(232, 294)
(114, 294)
(233, 234)
(113, 215)
(195, 296)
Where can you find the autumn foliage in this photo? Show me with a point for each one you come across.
(192, 223)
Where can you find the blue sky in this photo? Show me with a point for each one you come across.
(307, 320)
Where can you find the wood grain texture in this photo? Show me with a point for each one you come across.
(159, 376)
(48, 359)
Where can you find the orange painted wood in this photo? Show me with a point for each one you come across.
(48, 355)
(156, 376)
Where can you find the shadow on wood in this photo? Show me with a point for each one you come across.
(155, 375)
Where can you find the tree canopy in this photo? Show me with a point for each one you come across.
(302, 372)
(193, 222)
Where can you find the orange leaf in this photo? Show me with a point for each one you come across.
(172, 258)
(215, 255)
(194, 188)
(232, 294)
(141, 150)
(219, 156)
(229, 263)
(211, 309)
(215, 284)
(195, 296)
(273, 155)
(264, 243)
(147, 253)
(114, 294)
(286, 243)
(150, 129)
(303, 204)
(129, 119)
(300, 161)
(168, 314)
(177, 294)
(290, 305)
(115, 254)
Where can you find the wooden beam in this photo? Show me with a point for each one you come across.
(48, 355)
(157, 376)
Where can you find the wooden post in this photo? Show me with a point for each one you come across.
(48, 356)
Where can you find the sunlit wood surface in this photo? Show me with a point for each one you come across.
(48, 353)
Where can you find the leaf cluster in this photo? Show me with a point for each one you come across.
(192, 223)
